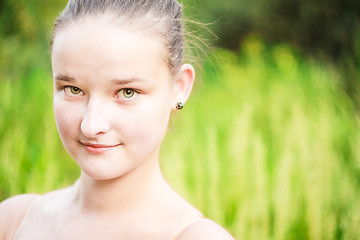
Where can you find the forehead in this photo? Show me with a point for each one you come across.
(98, 45)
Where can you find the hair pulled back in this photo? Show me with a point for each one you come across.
(162, 16)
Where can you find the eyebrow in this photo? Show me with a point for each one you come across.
(127, 81)
(64, 78)
(121, 82)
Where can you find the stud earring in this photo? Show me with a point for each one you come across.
(179, 106)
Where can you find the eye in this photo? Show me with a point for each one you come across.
(75, 90)
(71, 90)
(127, 92)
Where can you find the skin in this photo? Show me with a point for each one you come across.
(113, 95)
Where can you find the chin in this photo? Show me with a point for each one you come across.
(99, 168)
(101, 174)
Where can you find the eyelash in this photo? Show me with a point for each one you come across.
(69, 88)
(134, 92)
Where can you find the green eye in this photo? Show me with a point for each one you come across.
(128, 93)
(75, 90)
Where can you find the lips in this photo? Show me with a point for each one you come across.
(97, 148)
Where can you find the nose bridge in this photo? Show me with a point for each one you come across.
(95, 119)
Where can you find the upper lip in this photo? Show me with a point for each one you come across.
(96, 145)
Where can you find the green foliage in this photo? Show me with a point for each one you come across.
(324, 29)
(327, 27)
(266, 145)
(28, 20)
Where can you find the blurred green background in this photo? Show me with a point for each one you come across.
(268, 144)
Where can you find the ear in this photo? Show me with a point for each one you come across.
(183, 84)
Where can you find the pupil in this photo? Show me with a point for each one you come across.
(128, 93)
(75, 90)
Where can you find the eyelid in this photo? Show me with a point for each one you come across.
(123, 98)
(68, 87)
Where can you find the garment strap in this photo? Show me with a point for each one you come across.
(188, 226)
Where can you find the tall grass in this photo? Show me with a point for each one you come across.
(266, 145)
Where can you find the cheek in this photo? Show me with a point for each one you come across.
(149, 123)
(66, 119)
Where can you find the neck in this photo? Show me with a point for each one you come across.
(134, 192)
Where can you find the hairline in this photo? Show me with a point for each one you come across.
(136, 23)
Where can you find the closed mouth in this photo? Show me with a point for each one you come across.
(98, 148)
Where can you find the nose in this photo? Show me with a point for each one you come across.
(95, 119)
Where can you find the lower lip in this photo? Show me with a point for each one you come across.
(98, 150)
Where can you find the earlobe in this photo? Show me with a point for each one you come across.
(183, 84)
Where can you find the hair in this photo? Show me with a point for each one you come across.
(162, 16)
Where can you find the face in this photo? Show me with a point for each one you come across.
(113, 94)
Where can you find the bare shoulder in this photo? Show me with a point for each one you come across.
(205, 229)
(12, 210)
(15, 207)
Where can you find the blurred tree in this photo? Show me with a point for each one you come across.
(31, 20)
(325, 26)
(326, 29)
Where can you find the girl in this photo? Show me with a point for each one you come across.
(118, 74)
